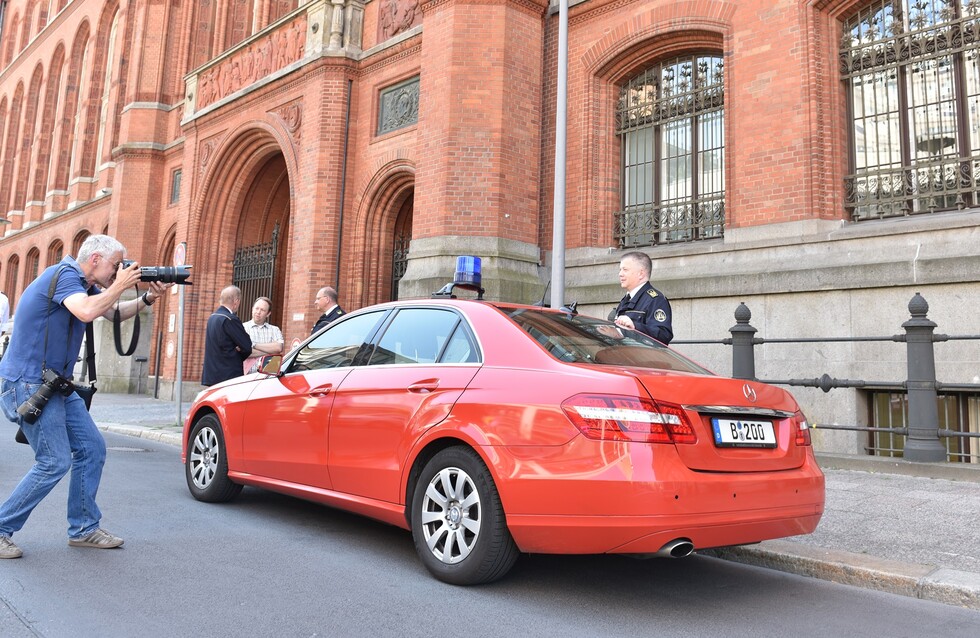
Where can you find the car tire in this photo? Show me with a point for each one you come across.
(207, 463)
(458, 521)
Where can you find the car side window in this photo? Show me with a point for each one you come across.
(461, 348)
(415, 335)
(338, 345)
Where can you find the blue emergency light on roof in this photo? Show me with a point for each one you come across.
(467, 277)
(467, 271)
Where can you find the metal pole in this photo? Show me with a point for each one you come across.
(180, 353)
(558, 232)
(743, 344)
(923, 442)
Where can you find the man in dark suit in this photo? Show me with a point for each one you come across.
(644, 308)
(326, 302)
(227, 344)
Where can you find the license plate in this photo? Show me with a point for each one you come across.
(743, 433)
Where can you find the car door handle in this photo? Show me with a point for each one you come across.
(321, 391)
(423, 387)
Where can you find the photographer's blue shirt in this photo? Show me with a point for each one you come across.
(26, 354)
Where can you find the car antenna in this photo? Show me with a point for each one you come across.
(541, 303)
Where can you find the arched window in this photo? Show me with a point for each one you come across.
(10, 287)
(912, 76)
(670, 120)
(31, 265)
(76, 243)
(55, 252)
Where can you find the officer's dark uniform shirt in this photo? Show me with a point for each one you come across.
(650, 312)
(226, 346)
(327, 317)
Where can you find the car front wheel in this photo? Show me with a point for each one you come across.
(207, 463)
(458, 522)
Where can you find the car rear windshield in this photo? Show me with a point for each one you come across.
(580, 339)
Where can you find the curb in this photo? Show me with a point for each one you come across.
(163, 436)
(926, 582)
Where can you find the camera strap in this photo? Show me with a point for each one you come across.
(89, 333)
(117, 332)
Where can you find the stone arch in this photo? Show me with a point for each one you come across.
(387, 196)
(232, 207)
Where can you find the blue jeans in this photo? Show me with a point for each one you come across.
(64, 438)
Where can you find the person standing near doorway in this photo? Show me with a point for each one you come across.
(266, 338)
(226, 345)
(326, 302)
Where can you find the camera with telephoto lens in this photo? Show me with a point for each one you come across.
(163, 274)
(53, 382)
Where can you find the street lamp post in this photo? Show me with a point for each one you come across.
(558, 231)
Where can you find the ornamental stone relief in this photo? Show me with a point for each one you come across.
(396, 16)
(281, 48)
(292, 116)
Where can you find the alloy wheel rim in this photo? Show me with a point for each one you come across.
(451, 515)
(204, 458)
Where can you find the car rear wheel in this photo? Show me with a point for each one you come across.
(207, 463)
(458, 522)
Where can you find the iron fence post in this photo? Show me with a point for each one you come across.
(923, 442)
(743, 344)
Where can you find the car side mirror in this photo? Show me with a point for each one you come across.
(271, 364)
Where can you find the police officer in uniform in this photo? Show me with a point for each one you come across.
(644, 308)
(326, 302)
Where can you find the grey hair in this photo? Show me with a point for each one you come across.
(99, 245)
(642, 260)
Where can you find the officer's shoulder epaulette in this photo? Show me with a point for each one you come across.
(652, 293)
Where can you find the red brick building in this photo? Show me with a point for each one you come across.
(817, 159)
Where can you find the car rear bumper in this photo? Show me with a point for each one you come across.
(637, 503)
(648, 534)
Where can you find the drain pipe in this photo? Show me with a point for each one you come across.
(343, 184)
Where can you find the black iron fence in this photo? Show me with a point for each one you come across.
(923, 431)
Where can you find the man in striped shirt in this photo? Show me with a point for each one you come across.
(266, 338)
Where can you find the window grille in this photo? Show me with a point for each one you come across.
(670, 120)
(958, 412)
(912, 76)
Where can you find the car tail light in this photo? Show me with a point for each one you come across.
(802, 429)
(622, 418)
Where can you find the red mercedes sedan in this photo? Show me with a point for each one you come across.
(492, 429)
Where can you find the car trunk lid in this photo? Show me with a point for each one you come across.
(741, 426)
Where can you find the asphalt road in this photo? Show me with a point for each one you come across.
(270, 565)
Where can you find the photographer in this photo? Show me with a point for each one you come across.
(36, 369)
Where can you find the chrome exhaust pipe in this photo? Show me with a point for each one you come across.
(677, 548)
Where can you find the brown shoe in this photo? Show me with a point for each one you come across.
(99, 539)
(8, 549)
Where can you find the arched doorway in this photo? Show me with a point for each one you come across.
(400, 241)
(261, 241)
(384, 229)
